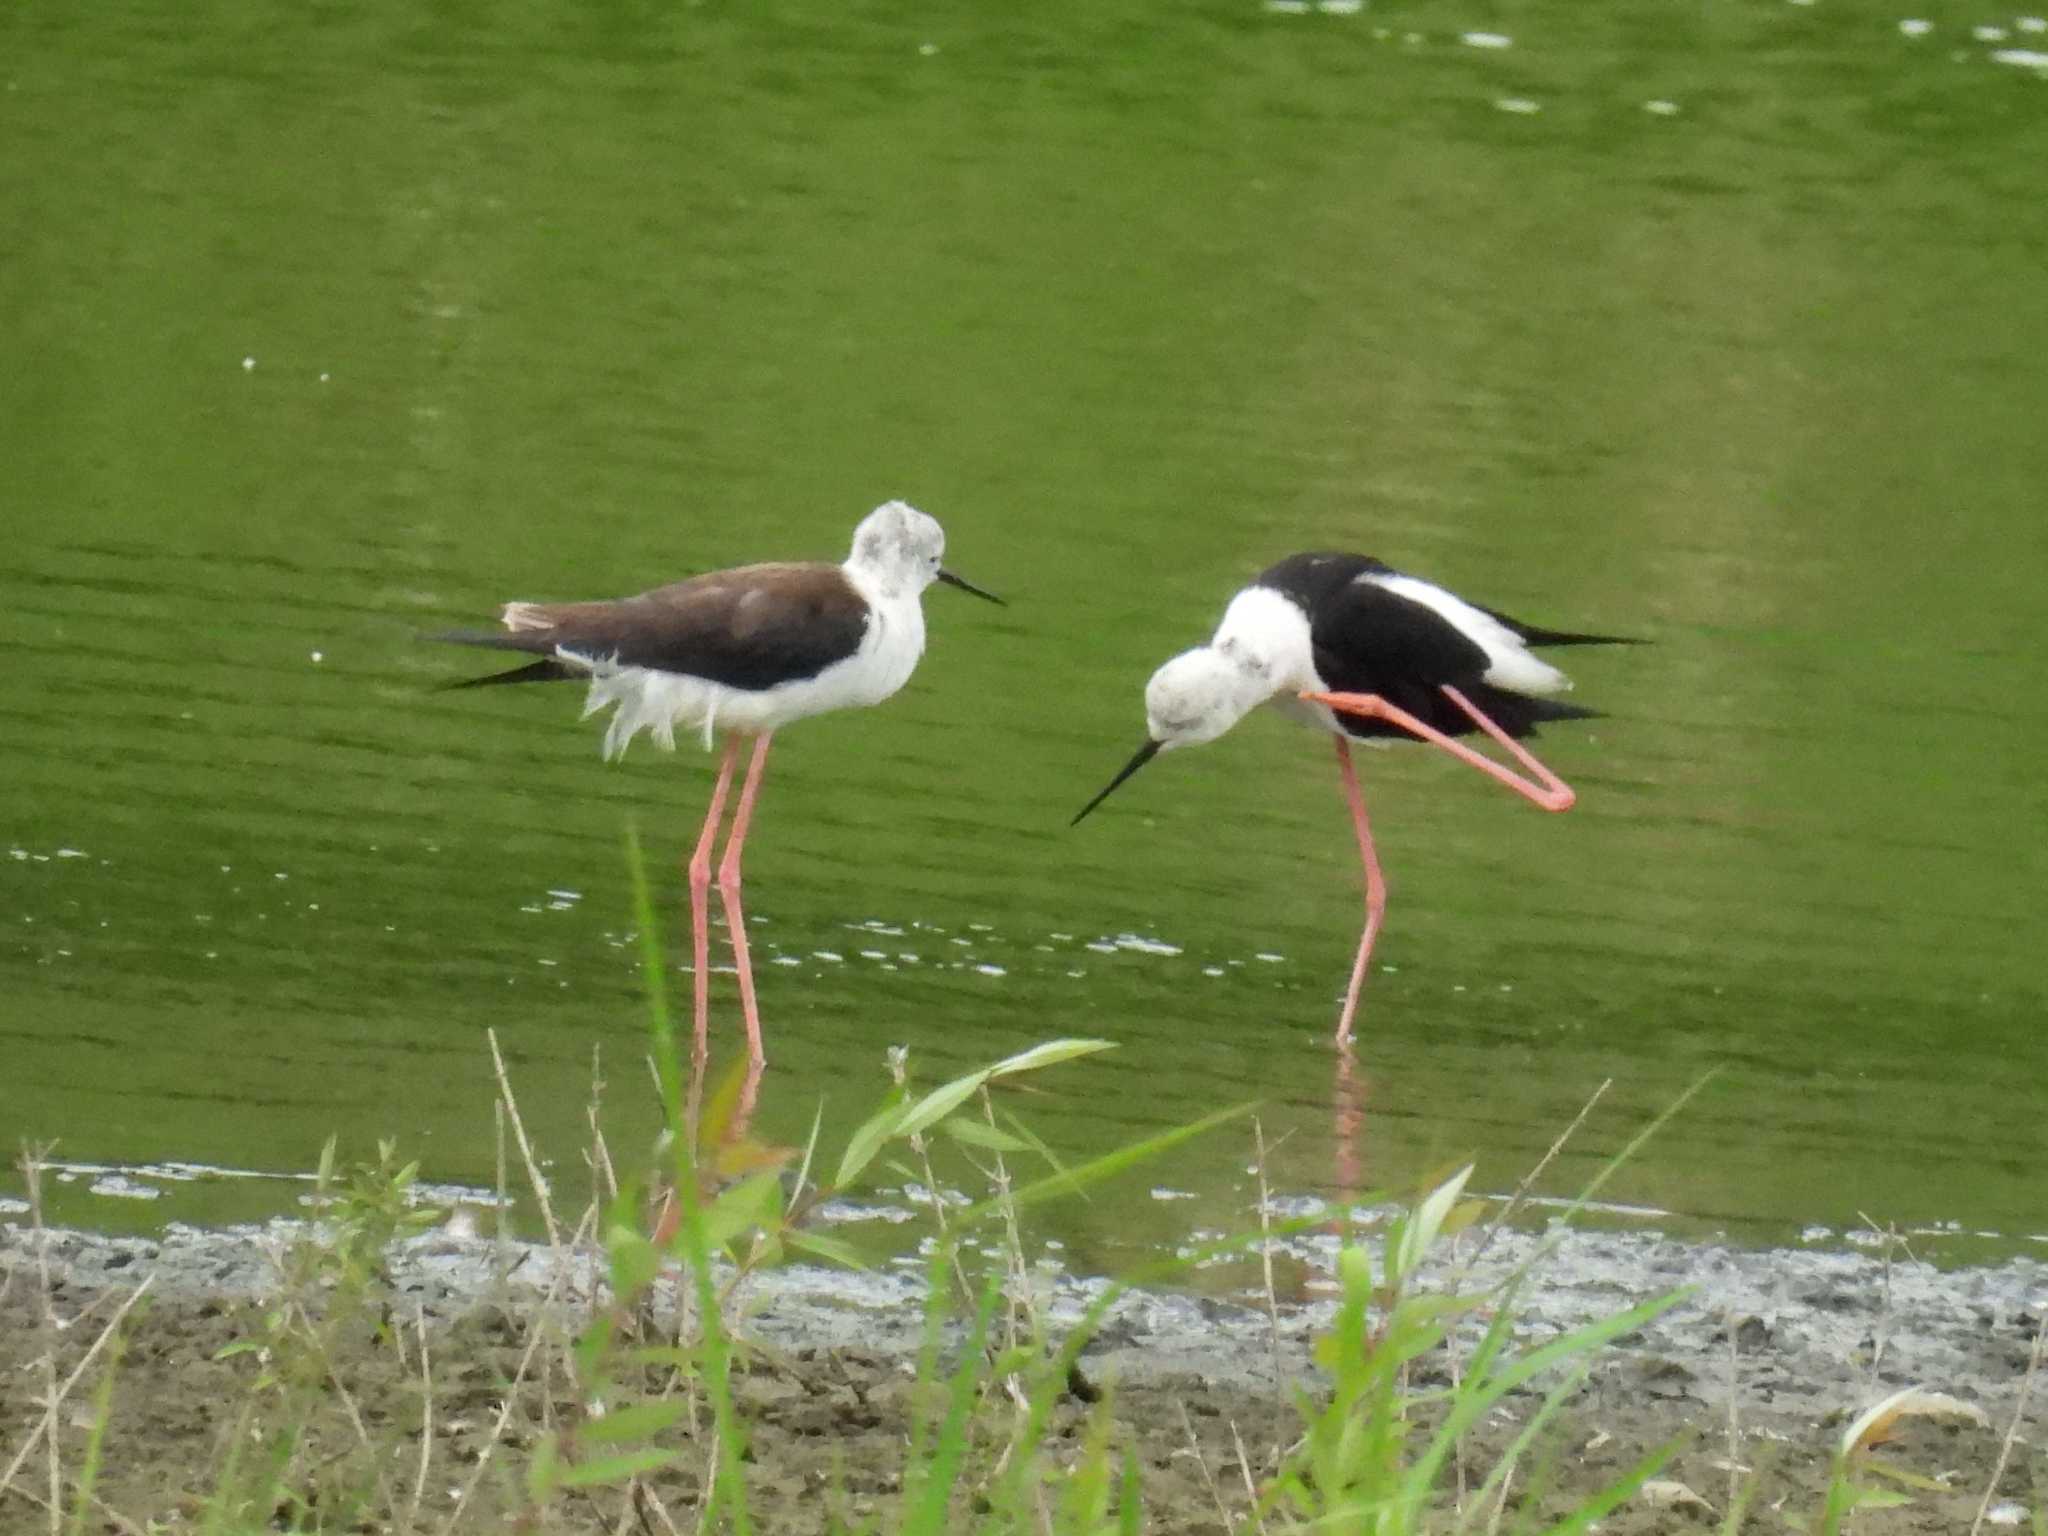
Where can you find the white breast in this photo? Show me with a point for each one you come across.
(1269, 632)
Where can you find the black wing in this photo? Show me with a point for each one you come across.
(1369, 639)
(751, 628)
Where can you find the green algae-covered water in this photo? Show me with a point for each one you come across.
(1721, 326)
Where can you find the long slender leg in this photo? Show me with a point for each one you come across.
(1347, 1102)
(729, 889)
(1375, 890)
(667, 1211)
(1547, 790)
(700, 908)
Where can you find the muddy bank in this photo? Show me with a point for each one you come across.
(1815, 1336)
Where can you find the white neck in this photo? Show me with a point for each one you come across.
(880, 583)
(1266, 640)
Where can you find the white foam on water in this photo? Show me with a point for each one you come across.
(1139, 944)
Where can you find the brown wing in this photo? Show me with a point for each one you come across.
(751, 627)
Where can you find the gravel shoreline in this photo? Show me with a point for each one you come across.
(1815, 1332)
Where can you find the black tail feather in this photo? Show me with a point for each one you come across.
(546, 670)
(1557, 709)
(1518, 713)
(1531, 634)
(494, 639)
(1566, 637)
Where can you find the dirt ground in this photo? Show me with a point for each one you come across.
(828, 1391)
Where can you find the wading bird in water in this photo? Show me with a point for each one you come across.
(744, 651)
(1347, 644)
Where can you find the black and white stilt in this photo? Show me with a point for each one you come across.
(1346, 644)
(746, 652)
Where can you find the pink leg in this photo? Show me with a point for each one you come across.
(1348, 1105)
(750, 1095)
(700, 891)
(667, 1210)
(1375, 890)
(1548, 790)
(729, 889)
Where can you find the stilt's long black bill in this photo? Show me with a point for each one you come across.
(967, 586)
(1145, 754)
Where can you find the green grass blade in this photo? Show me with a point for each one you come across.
(95, 1443)
(930, 1515)
(1130, 1509)
(1048, 1054)
(970, 1132)
(1518, 1447)
(636, 1421)
(862, 1146)
(1480, 1394)
(1635, 1144)
(1071, 1180)
(1599, 1505)
(939, 1103)
(616, 1469)
(835, 1249)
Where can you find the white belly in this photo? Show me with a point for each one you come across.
(659, 702)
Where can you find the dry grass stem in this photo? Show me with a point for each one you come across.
(1266, 1255)
(2012, 1430)
(114, 1518)
(602, 1175)
(1244, 1468)
(1729, 1321)
(1500, 1498)
(1202, 1467)
(1456, 1357)
(483, 1458)
(646, 1498)
(1020, 1316)
(533, 1173)
(419, 1483)
(348, 1402)
(46, 1425)
(1529, 1179)
(32, 1170)
(709, 1502)
(1889, 1238)
(500, 1227)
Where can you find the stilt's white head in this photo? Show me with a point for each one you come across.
(1194, 698)
(1198, 696)
(897, 549)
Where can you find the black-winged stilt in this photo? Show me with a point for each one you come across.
(1346, 643)
(744, 651)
